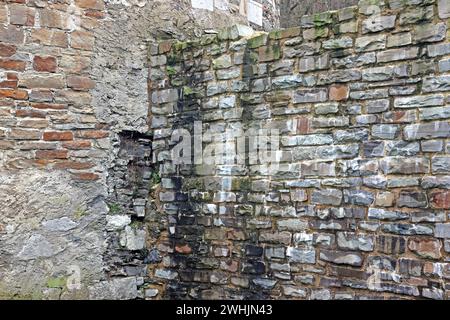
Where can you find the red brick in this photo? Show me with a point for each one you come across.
(77, 144)
(14, 94)
(7, 50)
(58, 136)
(80, 83)
(51, 154)
(92, 134)
(46, 64)
(95, 14)
(303, 126)
(12, 76)
(184, 249)
(90, 4)
(440, 199)
(338, 92)
(22, 134)
(82, 40)
(50, 37)
(30, 113)
(85, 176)
(12, 64)
(73, 165)
(21, 15)
(53, 106)
(8, 84)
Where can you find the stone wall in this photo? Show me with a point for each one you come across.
(293, 10)
(74, 147)
(358, 206)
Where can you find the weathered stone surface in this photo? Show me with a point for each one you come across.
(427, 130)
(426, 248)
(352, 241)
(300, 255)
(341, 257)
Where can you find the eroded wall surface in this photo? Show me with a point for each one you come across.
(74, 138)
(358, 206)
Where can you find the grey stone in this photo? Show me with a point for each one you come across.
(327, 196)
(435, 113)
(412, 199)
(384, 73)
(338, 43)
(358, 197)
(354, 61)
(440, 49)
(429, 32)
(341, 257)
(37, 246)
(432, 145)
(419, 101)
(440, 164)
(353, 241)
(377, 106)
(370, 43)
(133, 239)
(310, 95)
(381, 214)
(406, 229)
(401, 165)
(442, 230)
(384, 131)
(398, 54)
(402, 148)
(301, 255)
(353, 135)
(60, 224)
(117, 222)
(339, 76)
(417, 14)
(429, 182)
(427, 130)
(163, 96)
(436, 83)
(117, 289)
(378, 23)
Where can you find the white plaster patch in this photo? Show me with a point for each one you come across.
(255, 12)
(222, 4)
(203, 4)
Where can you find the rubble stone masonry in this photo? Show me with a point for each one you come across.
(359, 205)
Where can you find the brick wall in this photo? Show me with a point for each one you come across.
(359, 205)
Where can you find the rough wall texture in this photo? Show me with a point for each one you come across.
(359, 205)
(73, 148)
(293, 10)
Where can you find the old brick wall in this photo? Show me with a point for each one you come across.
(359, 205)
(73, 144)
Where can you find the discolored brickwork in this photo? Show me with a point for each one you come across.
(359, 205)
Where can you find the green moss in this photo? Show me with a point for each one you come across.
(242, 184)
(275, 34)
(320, 32)
(187, 91)
(114, 208)
(154, 179)
(257, 41)
(322, 19)
(180, 45)
(59, 282)
(171, 70)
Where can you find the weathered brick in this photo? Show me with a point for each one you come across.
(57, 136)
(46, 64)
